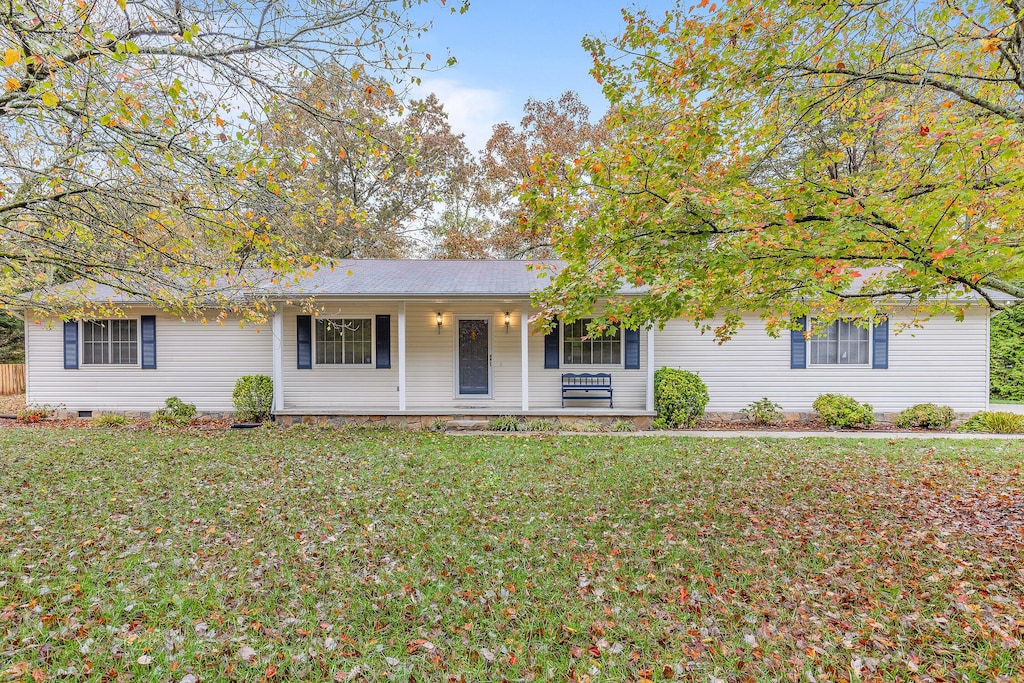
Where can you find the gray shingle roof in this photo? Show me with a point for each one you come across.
(372, 278)
(383, 277)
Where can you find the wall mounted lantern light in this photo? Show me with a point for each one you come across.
(508, 320)
(440, 321)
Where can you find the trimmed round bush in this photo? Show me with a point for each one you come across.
(926, 415)
(679, 397)
(253, 398)
(839, 410)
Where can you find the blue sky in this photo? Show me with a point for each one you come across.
(510, 50)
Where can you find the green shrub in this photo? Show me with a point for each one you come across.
(679, 397)
(175, 413)
(837, 410)
(438, 424)
(623, 426)
(994, 422)
(542, 425)
(1006, 358)
(35, 413)
(111, 420)
(927, 415)
(253, 397)
(764, 412)
(507, 423)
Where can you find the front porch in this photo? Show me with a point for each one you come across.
(432, 358)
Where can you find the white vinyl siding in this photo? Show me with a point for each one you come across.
(430, 355)
(630, 386)
(337, 387)
(943, 362)
(197, 363)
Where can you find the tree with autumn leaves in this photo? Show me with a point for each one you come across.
(785, 157)
(368, 176)
(134, 149)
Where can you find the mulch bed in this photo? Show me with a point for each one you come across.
(811, 425)
(203, 424)
(216, 424)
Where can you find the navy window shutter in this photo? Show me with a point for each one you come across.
(304, 342)
(880, 345)
(383, 341)
(632, 349)
(551, 348)
(798, 345)
(148, 342)
(70, 344)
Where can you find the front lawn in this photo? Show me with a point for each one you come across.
(328, 555)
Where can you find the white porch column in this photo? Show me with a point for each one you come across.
(650, 369)
(401, 355)
(524, 323)
(277, 357)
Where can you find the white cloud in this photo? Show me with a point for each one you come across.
(471, 111)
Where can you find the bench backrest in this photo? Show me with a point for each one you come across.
(587, 379)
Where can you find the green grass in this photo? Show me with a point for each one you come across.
(324, 555)
(1005, 401)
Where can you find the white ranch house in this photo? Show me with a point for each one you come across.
(414, 339)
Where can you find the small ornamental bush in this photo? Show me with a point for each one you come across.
(253, 397)
(623, 426)
(764, 412)
(927, 415)
(35, 413)
(994, 423)
(838, 410)
(507, 423)
(542, 425)
(175, 413)
(111, 420)
(679, 397)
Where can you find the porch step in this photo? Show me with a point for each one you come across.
(464, 424)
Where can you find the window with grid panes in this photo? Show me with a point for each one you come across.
(110, 342)
(578, 349)
(842, 343)
(344, 341)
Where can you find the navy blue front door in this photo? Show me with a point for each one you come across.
(474, 362)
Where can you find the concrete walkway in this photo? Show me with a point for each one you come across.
(1007, 408)
(755, 434)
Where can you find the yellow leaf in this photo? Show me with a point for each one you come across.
(220, 121)
(12, 84)
(11, 56)
(49, 99)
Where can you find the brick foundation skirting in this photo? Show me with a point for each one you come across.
(456, 421)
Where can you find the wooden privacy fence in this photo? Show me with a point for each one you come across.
(12, 378)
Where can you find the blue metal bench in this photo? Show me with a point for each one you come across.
(587, 385)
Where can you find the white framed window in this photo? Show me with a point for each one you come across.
(843, 342)
(579, 349)
(110, 342)
(344, 341)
